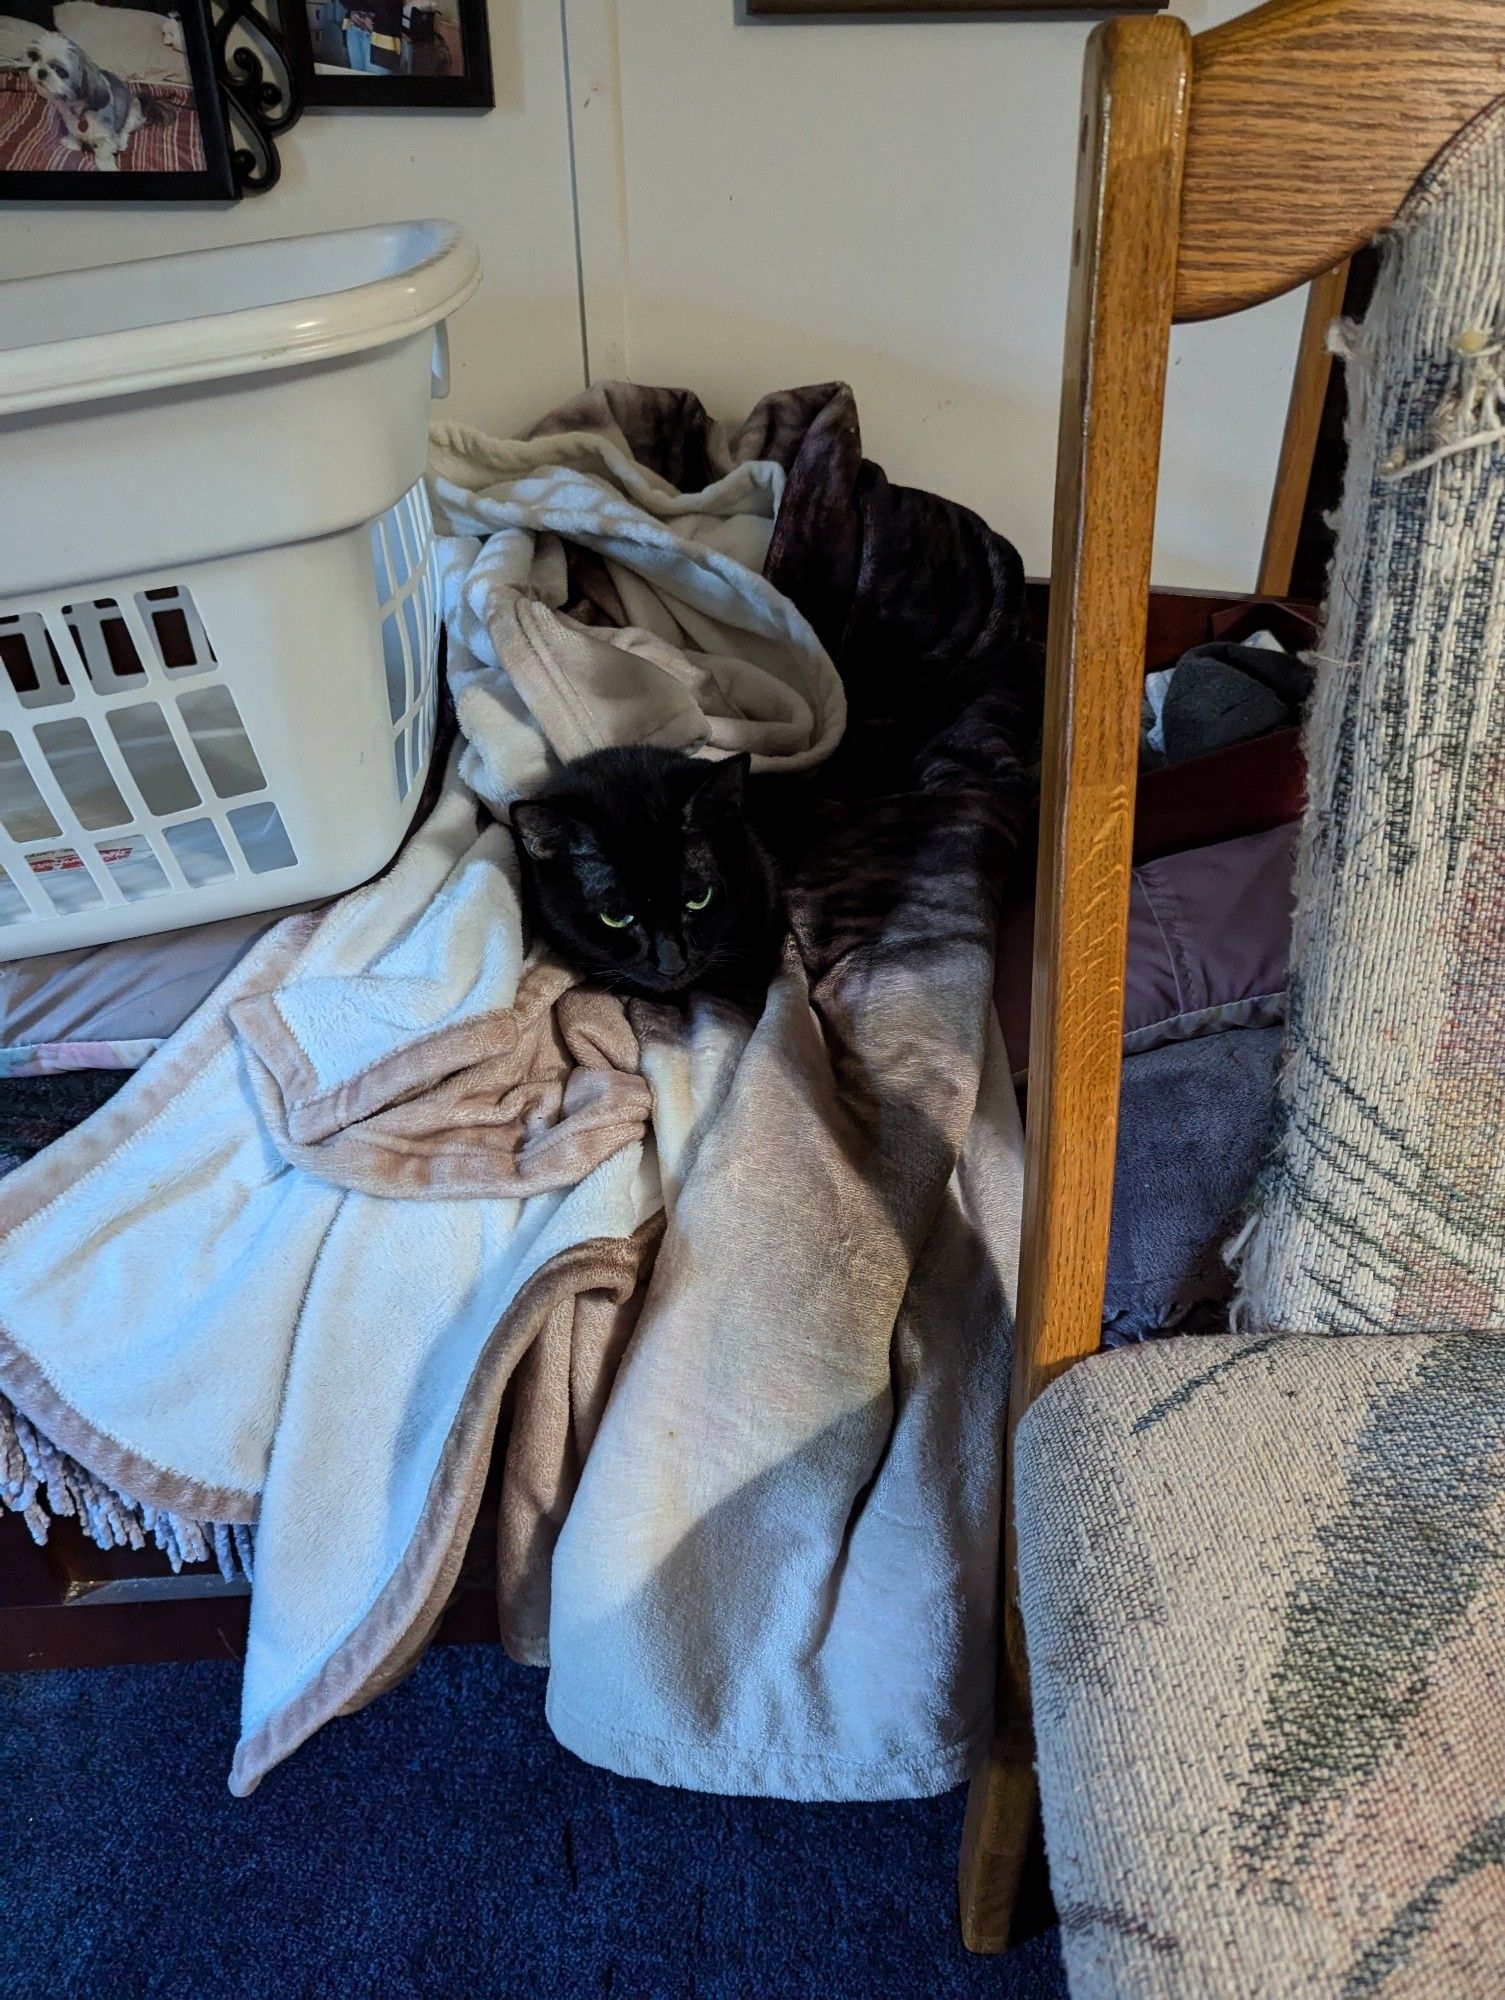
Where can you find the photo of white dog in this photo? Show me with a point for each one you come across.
(122, 88)
(100, 112)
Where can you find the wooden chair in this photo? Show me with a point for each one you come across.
(1215, 172)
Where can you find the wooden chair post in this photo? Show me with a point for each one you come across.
(1298, 444)
(1123, 278)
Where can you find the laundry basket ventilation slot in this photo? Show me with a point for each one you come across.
(407, 584)
(126, 769)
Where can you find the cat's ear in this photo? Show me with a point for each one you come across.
(720, 792)
(545, 830)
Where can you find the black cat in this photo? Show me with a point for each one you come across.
(641, 869)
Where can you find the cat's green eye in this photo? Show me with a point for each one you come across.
(616, 923)
(700, 902)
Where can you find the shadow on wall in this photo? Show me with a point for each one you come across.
(506, 59)
(988, 438)
(986, 443)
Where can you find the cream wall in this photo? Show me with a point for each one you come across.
(765, 203)
(890, 201)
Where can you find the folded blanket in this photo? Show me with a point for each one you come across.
(777, 1574)
(750, 1484)
(510, 1100)
(212, 1317)
(700, 652)
(1195, 1122)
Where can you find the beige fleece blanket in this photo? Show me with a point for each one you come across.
(618, 609)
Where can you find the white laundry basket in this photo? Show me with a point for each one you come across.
(218, 606)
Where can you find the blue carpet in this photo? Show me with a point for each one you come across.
(440, 1842)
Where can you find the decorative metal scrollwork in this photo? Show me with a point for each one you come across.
(259, 86)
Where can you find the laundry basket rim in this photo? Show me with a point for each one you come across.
(433, 268)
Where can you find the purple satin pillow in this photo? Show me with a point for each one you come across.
(1209, 939)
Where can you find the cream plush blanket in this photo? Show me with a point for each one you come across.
(740, 1291)
(212, 1303)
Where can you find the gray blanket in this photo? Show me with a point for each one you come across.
(1194, 1125)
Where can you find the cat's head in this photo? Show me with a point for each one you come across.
(640, 869)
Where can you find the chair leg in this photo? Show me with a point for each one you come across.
(1001, 1809)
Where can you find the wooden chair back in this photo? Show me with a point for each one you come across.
(1214, 172)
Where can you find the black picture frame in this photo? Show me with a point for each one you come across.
(324, 89)
(216, 181)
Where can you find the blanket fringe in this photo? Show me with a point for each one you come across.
(43, 1484)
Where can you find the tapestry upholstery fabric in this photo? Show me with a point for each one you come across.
(1385, 1208)
(1263, 1581)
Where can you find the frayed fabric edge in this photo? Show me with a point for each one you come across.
(43, 1484)
(1249, 1254)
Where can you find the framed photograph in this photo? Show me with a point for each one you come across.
(785, 10)
(110, 102)
(390, 54)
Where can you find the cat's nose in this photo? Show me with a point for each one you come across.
(668, 958)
